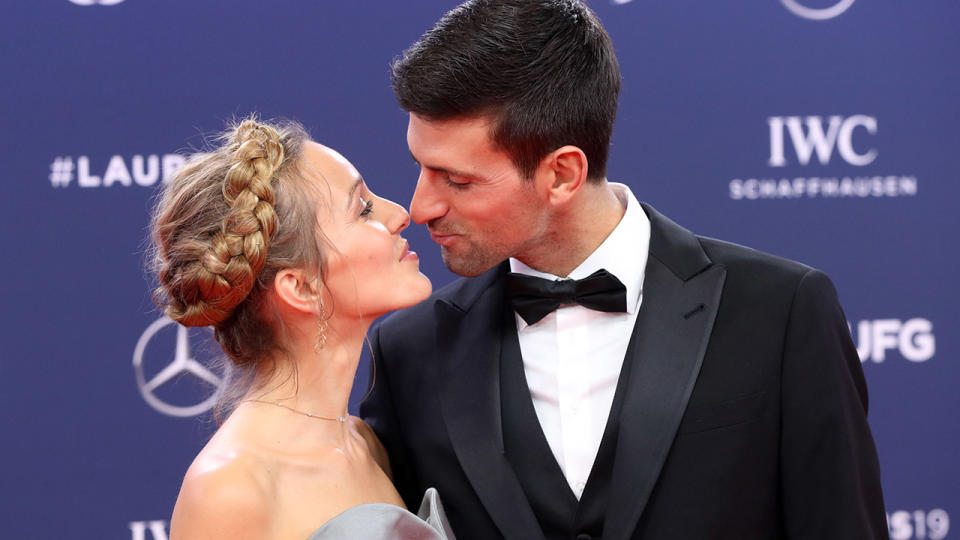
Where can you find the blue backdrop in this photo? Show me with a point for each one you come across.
(821, 130)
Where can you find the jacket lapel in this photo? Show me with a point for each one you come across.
(469, 337)
(681, 294)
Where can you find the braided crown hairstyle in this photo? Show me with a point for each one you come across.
(222, 229)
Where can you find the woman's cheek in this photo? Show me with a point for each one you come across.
(380, 227)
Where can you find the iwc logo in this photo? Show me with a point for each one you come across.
(163, 353)
(817, 14)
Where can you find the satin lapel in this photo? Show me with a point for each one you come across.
(668, 344)
(469, 338)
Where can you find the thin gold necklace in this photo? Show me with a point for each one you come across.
(340, 419)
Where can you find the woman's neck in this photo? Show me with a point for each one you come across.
(314, 375)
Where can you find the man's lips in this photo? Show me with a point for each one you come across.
(442, 239)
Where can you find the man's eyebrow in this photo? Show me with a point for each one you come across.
(353, 190)
(445, 170)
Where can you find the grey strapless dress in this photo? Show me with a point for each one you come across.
(380, 521)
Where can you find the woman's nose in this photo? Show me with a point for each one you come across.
(399, 218)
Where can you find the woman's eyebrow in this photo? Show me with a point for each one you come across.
(353, 190)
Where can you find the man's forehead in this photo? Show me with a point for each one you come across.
(481, 121)
(439, 143)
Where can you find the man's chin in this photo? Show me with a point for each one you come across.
(464, 266)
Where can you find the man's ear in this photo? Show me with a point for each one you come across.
(566, 172)
(296, 291)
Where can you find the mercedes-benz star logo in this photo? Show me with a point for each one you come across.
(817, 14)
(182, 362)
(95, 2)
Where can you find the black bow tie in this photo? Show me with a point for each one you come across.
(533, 298)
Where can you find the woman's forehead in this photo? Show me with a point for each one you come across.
(330, 165)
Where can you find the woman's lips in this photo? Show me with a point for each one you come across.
(406, 254)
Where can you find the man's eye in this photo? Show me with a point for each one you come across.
(456, 185)
(367, 208)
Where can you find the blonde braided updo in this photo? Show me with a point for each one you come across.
(225, 225)
(211, 286)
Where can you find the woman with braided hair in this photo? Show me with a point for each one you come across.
(277, 243)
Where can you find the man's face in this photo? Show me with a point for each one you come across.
(471, 197)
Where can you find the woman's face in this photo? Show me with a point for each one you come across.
(371, 270)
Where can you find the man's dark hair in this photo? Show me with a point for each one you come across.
(544, 70)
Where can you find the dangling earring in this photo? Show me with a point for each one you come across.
(322, 335)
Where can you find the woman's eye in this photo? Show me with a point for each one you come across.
(367, 208)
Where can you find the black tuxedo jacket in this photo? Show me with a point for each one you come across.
(744, 415)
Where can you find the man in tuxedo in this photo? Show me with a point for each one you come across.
(599, 371)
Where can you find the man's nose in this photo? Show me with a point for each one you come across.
(427, 204)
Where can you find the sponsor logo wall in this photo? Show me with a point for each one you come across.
(821, 130)
(823, 137)
(913, 339)
(95, 2)
(177, 361)
(137, 170)
(819, 13)
(145, 530)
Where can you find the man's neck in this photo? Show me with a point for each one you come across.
(576, 231)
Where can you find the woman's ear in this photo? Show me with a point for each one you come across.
(296, 291)
(566, 170)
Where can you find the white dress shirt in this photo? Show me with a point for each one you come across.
(572, 357)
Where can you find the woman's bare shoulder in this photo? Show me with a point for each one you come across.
(225, 494)
(376, 448)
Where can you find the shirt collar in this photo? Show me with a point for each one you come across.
(623, 253)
